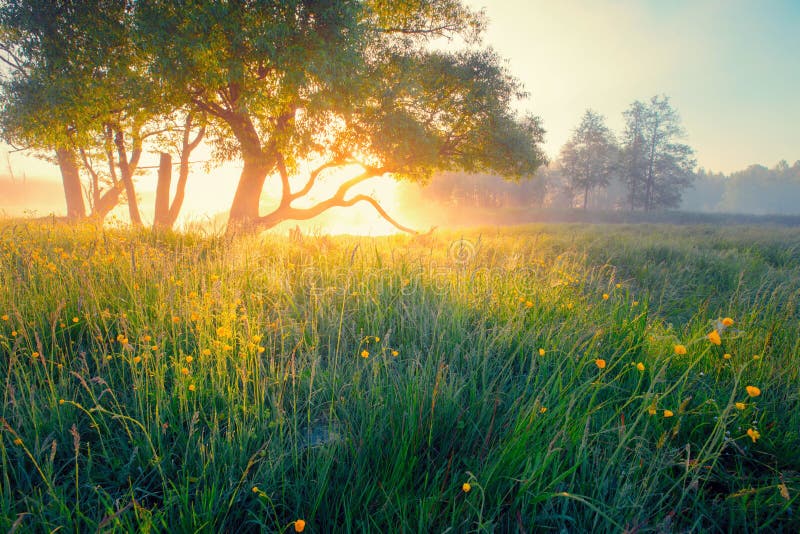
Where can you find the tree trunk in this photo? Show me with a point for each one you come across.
(258, 163)
(244, 210)
(585, 196)
(162, 214)
(70, 176)
(180, 190)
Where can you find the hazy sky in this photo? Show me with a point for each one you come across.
(731, 68)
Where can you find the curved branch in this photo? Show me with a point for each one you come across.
(312, 178)
(381, 212)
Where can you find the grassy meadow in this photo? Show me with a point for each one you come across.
(537, 378)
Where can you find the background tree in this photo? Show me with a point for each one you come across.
(589, 158)
(657, 167)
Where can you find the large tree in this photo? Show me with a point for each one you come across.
(589, 157)
(343, 84)
(656, 166)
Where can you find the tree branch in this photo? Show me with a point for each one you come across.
(312, 178)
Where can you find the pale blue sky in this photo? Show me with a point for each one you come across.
(731, 68)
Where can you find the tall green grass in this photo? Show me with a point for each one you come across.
(164, 382)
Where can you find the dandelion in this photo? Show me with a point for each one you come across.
(756, 356)
(189, 359)
(206, 352)
(261, 350)
(680, 350)
(541, 352)
(529, 304)
(255, 489)
(223, 332)
(185, 371)
(176, 319)
(299, 525)
(600, 363)
(651, 409)
(137, 359)
(753, 391)
(668, 413)
(466, 487)
(543, 409)
(192, 387)
(754, 434)
(147, 338)
(395, 353)
(726, 356)
(727, 321)
(75, 320)
(13, 333)
(605, 296)
(740, 405)
(17, 441)
(714, 338)
(365, 354)
(61, 401)
(618, 286)
(635, 303)
(154, 348)
(640, 366)
(35, 354)
(5, 317)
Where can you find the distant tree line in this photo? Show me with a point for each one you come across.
(756, 189)
(645, 168)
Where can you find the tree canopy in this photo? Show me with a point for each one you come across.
(284, 85)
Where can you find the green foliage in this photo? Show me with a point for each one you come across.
(212, 384)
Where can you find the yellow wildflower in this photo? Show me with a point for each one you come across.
(668, 413)
(529, 304)
(17, 441)
(753, 391)
(640, 366)
(541, 352)
(5, 317)
(726, 356)
(714, 338)
(395, 353)
(600, 363)
(189, 359)
(255, 489)
(206, 352)
(754, 434)
(605, 296)
(176, 319)
(365, 354)
(137, 359)
(740, 405)
(75, 320)
(185, 371)
(192, 387)
(299, 525)
(680, 350)
(727, 321)
(466, 487)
